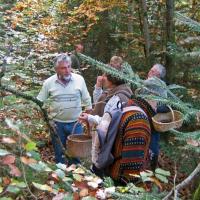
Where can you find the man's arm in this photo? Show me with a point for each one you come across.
(44, 93)
(86, 99)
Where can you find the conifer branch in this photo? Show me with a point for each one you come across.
(192, 24)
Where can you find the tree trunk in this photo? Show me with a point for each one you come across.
(170, 39)
(130, 15)
(145, 29)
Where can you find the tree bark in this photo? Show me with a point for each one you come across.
(145, 29)
(170, 39)
(130, 15)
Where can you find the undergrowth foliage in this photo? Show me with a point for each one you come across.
(24, 53)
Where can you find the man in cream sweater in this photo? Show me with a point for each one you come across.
(67, 93)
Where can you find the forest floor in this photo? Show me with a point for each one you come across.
(33, 122)
(164, 162)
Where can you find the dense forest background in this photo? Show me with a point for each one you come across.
(32, 32)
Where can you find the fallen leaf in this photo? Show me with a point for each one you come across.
(55, 177)
(71, 168)
(6, 180)
(15, 171)
(60, 196)
(76, 196)
(97, 180)
(80, 185)
(8, 159)
(1, 189)
(27, 160)
(79, 171)
(78, 177)
(93, 184)
(157, 182)
(8, 140)
(43, 187)
(88, 178)
(83, 192)
(4, 152)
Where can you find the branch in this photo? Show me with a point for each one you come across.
(185, 182)
(21, 94)
(50, 125)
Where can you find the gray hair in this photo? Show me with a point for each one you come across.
(62, 58)
(161, 69)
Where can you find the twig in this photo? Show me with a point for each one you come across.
(185, 182)
(23, 171)
(175, 191)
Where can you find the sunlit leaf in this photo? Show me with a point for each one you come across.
(8, 140)
(34, 155)
(79, 171)
(67, 179)
(1, 189)
(4, 152)
(61, 166)
(40, 166)
(88, 178)
(71, 168)
(146, 173)
(84, 192)
(77, 177)
(60, 173)
(30, 146)
(88, 198)
(18, 184)
(162, 172)
(97, 180)
(43, 187)
(27, 160)
(93, 184)
(161, 178)
(13, 189)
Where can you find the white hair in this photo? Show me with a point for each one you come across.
(62, 58)
(161, 69)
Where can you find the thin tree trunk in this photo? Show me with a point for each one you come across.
(130, 15)
(145, 29)
(170, 38)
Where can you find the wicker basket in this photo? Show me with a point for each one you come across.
(79, 145)
(163, 122)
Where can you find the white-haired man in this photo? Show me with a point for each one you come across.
(67, 93)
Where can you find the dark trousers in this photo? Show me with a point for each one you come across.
(63, 131)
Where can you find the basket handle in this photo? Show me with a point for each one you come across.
(172, 112)
(82, 123)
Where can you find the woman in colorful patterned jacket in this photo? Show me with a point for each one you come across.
(128, 160)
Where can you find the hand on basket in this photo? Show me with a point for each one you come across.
(83, 117)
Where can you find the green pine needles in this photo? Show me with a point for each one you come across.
(133, 79)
